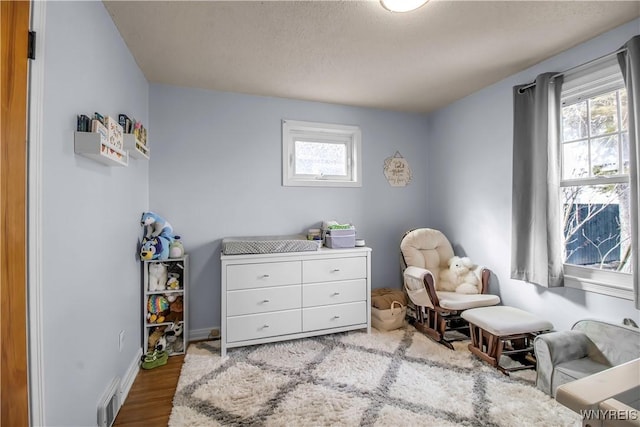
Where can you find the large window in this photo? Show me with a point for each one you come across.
(595, 182)
(320, 154)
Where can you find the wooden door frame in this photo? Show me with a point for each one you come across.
(14, 386)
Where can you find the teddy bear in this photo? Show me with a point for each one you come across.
(176, 308)
(157, 276)
(459, 277)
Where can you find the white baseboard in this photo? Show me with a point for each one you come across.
(130, 377)
(201, 334)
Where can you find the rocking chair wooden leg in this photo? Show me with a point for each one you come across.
(431, 324)
(446, 344)
(434, 324)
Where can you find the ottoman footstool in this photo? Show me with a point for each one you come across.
(503, 330)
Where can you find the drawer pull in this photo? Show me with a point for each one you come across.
(335, 294)
(335, 270)
(335, 317)
(265, 276)
(264, 301)
(265, 326)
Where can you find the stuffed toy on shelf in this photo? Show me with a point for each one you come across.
(155, 226)
(176, 309)
(154, 248)
(173, 335)
(158, 277)
(157, 309)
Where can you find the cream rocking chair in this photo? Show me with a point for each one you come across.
(424, 253)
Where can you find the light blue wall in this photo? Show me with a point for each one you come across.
(469, 181)
(91, 274)
(216, 172)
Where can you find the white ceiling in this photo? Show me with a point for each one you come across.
(355, 52)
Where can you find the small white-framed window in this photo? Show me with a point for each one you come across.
(321, 154)
(594, 181)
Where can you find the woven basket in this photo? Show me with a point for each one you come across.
(387, 320)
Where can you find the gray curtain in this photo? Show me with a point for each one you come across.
(630, 66)
(536, 240)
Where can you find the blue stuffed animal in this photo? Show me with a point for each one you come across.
(155, 248)
(155, 225)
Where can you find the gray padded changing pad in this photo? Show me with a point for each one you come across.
(267, 244)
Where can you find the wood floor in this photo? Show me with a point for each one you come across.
(150, 399)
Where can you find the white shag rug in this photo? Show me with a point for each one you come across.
(396, 378)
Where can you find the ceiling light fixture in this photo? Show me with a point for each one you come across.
(402, 5)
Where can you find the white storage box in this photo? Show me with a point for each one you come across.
(348, 241)
(341, 238)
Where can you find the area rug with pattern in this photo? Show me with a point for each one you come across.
(396, 378)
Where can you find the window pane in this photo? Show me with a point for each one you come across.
(604, 156)
(624, 111)
(574, 121)
(575, 160)
(597, 226)
(625, 153)
(320, 158)
(604, 114)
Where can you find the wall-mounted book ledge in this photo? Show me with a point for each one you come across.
(136, 148)
(95, 147)
(111, 142)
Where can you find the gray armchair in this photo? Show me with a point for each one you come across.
(590, 346)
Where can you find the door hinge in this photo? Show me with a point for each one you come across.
(31, 54)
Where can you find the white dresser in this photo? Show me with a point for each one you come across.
(283, 296)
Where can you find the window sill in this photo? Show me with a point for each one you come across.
(609, 283)
(292, 182)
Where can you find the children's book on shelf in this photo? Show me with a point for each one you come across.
(125, 122)
(114, 129)
(99, 128)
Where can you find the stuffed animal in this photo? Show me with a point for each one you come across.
(173, 335)
(157, 309)
(173, 283)
(161, 345)
(154, 248)
(176, 308)
(459, 277)
(176, 250)
(157, 333)
(157, 276)
(155, 225)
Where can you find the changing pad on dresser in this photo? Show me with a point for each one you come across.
(267, 244)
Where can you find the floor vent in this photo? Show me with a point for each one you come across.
(109, 404)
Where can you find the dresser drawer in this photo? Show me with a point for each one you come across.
(334, 316)
(255, 326)
(261, 300)
(334, 292)
(259, 275)
(325, 270)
